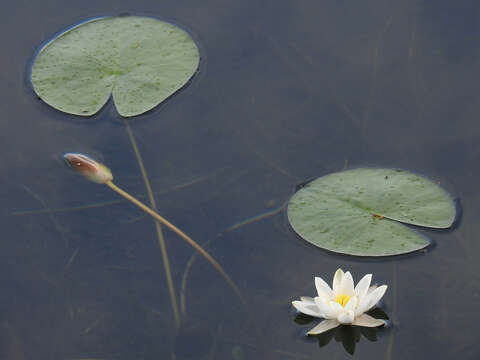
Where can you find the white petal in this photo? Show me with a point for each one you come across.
(371, 288)
(363, 285)
(336, 309)
(346, 286)
(325, 325)
(351, 304)
(323, 289)
(307, 308)
(337, 280)
(362, 305)
(325, 309)
(307, 299)
(346, 317)
(367, 321)
(375, 296)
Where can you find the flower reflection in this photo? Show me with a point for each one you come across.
(349, 336)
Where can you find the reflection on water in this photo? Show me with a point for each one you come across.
(287, 91)
(349, 336)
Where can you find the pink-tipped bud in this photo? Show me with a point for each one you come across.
(86, 166)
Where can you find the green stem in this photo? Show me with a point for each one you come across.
(179, 232)
(161, 240)
(394, 309)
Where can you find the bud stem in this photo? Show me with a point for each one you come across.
(179, 232)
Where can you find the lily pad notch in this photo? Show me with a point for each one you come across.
(360, 212)
(138, 61)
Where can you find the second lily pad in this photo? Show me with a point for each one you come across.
(358, 212)
(140, 61)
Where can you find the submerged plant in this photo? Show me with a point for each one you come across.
(343, 304)
(101, 174)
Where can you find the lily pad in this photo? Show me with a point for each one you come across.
(358, 212)
(140, 61)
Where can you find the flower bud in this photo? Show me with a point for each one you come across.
(86, 166)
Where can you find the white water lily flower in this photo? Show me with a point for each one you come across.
(343, 303)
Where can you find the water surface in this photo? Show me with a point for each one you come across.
(287, 91)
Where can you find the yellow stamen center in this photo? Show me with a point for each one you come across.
(342, 299)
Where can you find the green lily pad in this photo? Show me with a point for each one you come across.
(140, 61)
(358, 212)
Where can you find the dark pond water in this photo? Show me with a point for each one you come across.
(288, 90)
